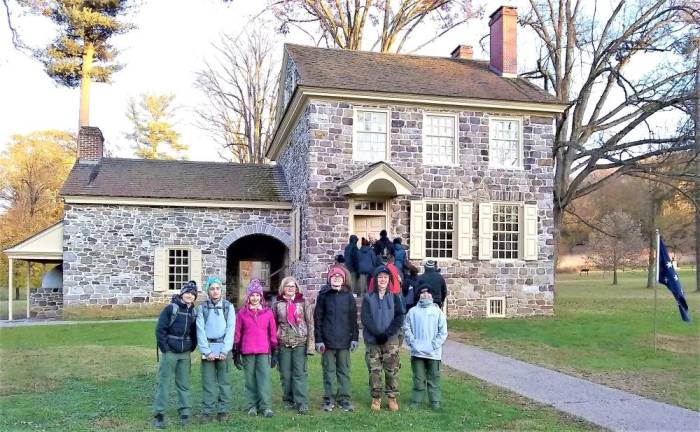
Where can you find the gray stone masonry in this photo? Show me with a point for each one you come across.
(109, 250)
(45, 303)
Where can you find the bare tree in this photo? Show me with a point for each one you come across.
(241, 89)
(586, 61)
(617, 248)
(386, 24)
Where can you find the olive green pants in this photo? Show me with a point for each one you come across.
(336, 367)
(426, 373)
(258, 389)
(216, 386)
(179, 366)
(292, 368)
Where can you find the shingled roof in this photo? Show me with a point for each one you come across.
(408, 74)
(141, 178)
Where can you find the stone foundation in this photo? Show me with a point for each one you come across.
(45, 303)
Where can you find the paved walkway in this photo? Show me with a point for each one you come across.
(606, 407)
(42, 322)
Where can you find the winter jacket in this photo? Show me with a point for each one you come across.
(256, 332)
(351, 254)
(300, 334)
(367, 261)
(381, 316)
(335, 318)
(425, 330)
(409, 290)
(438, 288)
(399, 258)
(383, 243)
(181, 336)
(219, 324)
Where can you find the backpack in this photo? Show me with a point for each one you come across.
(207, 306)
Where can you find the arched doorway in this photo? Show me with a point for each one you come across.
(255, 256)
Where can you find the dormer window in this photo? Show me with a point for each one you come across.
(371, 137)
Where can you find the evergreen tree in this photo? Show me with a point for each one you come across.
(152, 122)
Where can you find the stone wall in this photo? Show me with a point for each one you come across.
(109, 249)
(45, 303)
(528, 285)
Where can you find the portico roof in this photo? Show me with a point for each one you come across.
(46, 245)
(378, 179)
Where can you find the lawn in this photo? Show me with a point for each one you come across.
(101, 376)
(604, 333)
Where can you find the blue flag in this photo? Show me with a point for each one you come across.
(667, 275)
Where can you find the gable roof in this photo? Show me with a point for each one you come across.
(142, 178)
(378, 171)
(408, 74)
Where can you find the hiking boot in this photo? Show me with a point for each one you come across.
(253, 412)
(303, 409)
(327, 406)
(222, 417)
(393, 404)
(376, 404)
(159, 421)
(268, 413)
(347, 406)
(206, 418)
(435, 406)
(289, 405)
(184, 420)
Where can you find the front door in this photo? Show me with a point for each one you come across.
(369, 226)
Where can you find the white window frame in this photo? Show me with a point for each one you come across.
(490, 314)
(455, 233)
(492, 163)
(355, 151)
(520, 207)
(455, 155)
(190, 257)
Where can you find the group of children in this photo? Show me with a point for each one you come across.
(259, 338)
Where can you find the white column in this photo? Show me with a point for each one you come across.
(9, 291)
(29, 281)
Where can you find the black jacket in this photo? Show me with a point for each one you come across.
(351, 254)
(181, 336)
(335, 318)
(438, 288)
(383, 243)
(367, 261)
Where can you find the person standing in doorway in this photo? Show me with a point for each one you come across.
(383, 247)
(295, 334)
(216, 321)
(367, 261)
(337, 334)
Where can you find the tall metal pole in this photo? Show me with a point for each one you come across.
(10, 278)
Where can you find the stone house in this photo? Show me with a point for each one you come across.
(452, 154)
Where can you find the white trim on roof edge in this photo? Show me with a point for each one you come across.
(304, 94)
(169, 202)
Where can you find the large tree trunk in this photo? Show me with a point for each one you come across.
(85, 81)
(697, 165)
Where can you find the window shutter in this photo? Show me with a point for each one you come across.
(417, 250)
(464, 231)
(485, 231)
(160, 270)
(196, 267)
(529, 231)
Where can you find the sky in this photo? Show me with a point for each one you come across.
(170, 43)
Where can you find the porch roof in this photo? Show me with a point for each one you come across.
(44, 246)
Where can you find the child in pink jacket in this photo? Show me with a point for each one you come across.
(255, 341)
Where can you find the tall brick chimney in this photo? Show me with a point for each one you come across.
(504, 42)
(462, 52)
(90, 144)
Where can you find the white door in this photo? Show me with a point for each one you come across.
(369, 226)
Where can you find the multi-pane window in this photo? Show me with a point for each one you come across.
(439, 230)
(506, 231)
(504, 144)
(371, 136)
(369, 205)
(439, 139)
(178, 268)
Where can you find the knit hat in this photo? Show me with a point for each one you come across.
(431, 264)
(212, 280)
(336, 270)
(255, 287)
(189, 287)
(424, 286)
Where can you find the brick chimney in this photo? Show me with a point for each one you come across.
(504, 46)
(462, 52)
(90, 144)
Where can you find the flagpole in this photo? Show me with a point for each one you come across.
(656, 280)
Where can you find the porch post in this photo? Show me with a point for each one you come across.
(29, 281)
(9, 291)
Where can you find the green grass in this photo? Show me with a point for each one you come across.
(604, 333)
(101, 376)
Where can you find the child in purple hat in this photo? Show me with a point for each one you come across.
(255, 347)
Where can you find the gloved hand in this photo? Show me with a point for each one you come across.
(274, 358)
(381, 338)
(353, 346)
(321, 347)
